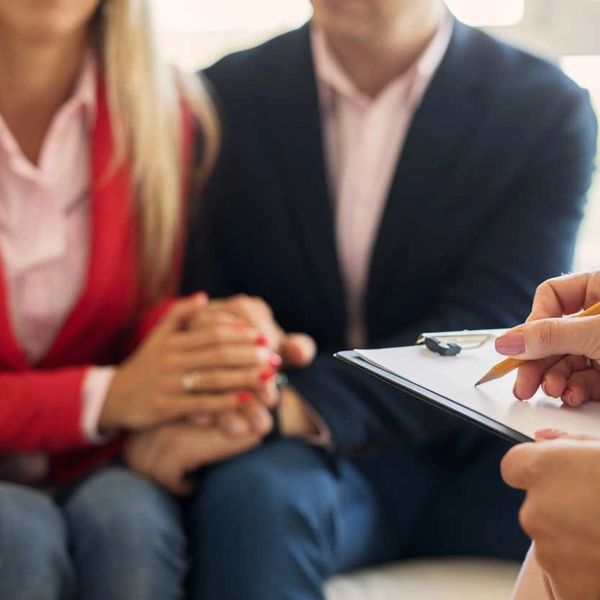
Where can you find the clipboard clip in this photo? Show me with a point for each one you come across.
(453, 344)
(442, 348)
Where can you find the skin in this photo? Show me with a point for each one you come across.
(561, 512)
(375, 41)
(42, 46)
(561, 473)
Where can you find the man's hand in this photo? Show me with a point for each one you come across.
(169, 453)
(563, 353)
(296, 349)
(562, 510)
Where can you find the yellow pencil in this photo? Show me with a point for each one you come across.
(510, 364)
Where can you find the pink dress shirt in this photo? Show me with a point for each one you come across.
(44, 233)
(364, 138)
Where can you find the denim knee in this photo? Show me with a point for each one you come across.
(127, 537)
(280, 487)
(34, 559)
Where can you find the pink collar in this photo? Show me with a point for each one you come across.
(333, 79)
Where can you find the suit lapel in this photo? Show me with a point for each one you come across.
(442, 125)
(293, 111)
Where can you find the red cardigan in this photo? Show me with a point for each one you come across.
(40, 407)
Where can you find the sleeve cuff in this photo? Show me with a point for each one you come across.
(95, 388)
(322, 434)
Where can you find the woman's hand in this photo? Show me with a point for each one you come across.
(561, 512)
(169, 453)
(563, 353)
(180, 372)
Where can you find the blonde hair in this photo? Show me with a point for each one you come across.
(144, 98)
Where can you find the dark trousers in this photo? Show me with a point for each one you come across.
(275, 524)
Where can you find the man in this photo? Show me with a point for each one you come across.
(385, 171)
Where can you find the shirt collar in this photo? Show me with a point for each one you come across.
(333, 79)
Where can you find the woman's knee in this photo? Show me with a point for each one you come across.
(118, 506)
(34, 558)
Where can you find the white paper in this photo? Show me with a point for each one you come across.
(454, 378)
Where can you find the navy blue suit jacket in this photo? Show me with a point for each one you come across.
(486, 202)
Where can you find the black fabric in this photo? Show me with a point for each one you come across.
(486, 202)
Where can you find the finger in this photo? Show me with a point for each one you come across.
(547, 435)
(212, 335)
(176, 483)
(560, 296)
(203, 420)
(298, 349)
(582, 386)
(212, 315)
(213, 381)
(579, 336)
(188, 405)
(516, 466)
(228, 356)
(181, 313)
(530, 376)
(234, 424)
(555, 379)
(258, 417)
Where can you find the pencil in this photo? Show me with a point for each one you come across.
(510, 364)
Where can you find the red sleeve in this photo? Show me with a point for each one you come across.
(41, 410)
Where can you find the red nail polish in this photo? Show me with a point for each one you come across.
(266, 375)
(244, 397)
(262, 340)
(275, 361)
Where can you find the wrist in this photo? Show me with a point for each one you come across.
(293, 417)
(111, 415)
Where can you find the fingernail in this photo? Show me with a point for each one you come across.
(244, 397)
(266, 375)
(568, 396)
(262, 340)
(511, 344)
(543, 386)
(275, 361)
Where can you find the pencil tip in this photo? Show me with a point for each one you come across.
(478, 383)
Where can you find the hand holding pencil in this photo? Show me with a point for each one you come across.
(557, 352)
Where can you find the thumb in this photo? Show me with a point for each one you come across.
(298, 350)
(579, 336)
(181, 313)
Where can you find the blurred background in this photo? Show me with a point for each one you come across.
(195, 33)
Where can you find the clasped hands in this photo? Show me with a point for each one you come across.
(200, 387)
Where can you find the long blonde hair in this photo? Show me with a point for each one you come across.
(144, 97)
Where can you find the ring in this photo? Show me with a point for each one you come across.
(189, 382)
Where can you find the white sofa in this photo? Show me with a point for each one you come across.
(451, 579)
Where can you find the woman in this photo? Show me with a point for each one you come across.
(94, 131)
(561, 475)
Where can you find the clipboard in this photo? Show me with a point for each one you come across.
(429, 378)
